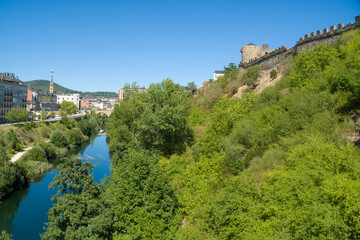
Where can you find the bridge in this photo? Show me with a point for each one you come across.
(107, 111)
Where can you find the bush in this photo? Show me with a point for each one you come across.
(59, 139)
(49, 149)
(37, 153)
(12, 178)
(251, 75)
(234, 90)
(273, 74)
(75, 137)
(13, 140)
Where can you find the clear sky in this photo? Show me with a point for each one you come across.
(99, 45)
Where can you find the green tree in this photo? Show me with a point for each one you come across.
(68, 108)
(192, 86)
(43, 115)
(251, 75)
(164, 124)
(59, 139)
(17, 114)
(13, 140)
(230, 67)
(145, 204)
(87, 214)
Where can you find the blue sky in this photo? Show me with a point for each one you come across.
(99, 45)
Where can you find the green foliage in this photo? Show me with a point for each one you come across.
(43, 115)
(120, 126)
(87, 214)
(37, 153)
(156, 120)
(234, 90)
(50, 150)
(309, 65)
(273, 74)
(163, 125)
(144, 201)
(251, 75)
(59, 139)
(196, 116)
(68, 108)
(13, 140)
(17, 114)
(12, 178)
(5, 236)
(230, 67)
(75, 137)
(67, 122)
(192, 86)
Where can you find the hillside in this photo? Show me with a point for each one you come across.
(43, 85)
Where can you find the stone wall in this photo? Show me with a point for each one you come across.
(325, 36)
(267, 61)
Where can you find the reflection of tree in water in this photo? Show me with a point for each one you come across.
(9, 208)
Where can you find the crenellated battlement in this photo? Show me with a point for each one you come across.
(325, 33)
(309, 41)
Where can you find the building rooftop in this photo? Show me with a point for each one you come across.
(9, 77)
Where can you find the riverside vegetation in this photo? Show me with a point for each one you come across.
(277, 165)
(49, 141)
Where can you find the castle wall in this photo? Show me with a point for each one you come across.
(325, 36)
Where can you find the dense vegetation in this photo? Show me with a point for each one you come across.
(278, 165)
(43, 154)
(43, 86)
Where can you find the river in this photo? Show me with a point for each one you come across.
(24, 214)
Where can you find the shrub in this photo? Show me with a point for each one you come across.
(251, 75)
(45, 131)
(75, 137)
(234, 90)
(273, 74)
(59, 139)
(37, 153)
(12, 178)
(49, 149)
(13, 140)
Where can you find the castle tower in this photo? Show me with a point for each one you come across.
(250, 52)
(51, 90)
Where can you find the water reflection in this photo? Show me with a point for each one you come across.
(9, 208)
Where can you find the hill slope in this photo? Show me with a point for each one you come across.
(43, 85)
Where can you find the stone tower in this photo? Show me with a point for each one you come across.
(250, 51)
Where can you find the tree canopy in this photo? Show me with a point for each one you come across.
(17, 114)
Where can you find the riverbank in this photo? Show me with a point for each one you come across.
(32, 148)
(35, 201)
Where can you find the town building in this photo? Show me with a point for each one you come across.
(86, 103)
(75, 98)
(13, 93)
(122, 92)
(217, 74)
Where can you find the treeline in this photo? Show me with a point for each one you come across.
(278, 165)
(49, 142)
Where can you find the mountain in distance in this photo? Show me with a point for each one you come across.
(43, 86)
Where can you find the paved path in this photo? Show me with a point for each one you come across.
(18, 155)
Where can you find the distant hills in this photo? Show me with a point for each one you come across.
(43, 85)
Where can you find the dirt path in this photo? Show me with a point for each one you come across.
(18, 155)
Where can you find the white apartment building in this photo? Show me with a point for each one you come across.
(75, 98)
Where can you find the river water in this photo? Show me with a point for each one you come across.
(24, 214)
